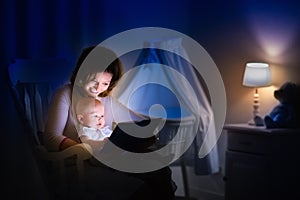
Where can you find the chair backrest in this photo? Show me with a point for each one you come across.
(33, 82)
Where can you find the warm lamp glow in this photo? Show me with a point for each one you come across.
(256, 75)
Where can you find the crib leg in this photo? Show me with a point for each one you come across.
(185, 179)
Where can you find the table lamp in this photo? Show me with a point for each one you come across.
(256, 75)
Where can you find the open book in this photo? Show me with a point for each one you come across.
(135, 136)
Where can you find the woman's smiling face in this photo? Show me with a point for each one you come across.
(99, 84)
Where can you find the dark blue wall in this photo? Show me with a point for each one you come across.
(233, 32)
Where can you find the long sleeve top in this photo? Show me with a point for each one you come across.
(60, 122)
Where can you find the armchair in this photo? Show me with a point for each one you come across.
(32, 83)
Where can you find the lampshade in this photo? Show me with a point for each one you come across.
(257, 75)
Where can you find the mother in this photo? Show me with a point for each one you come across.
(60, 130)
(61, 133)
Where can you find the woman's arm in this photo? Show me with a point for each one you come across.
(65, 143)
(55, 137)
(117, 112)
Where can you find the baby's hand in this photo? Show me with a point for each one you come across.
(101, 143)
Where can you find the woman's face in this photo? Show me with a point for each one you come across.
(98, 85)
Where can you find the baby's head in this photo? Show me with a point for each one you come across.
(90, 113)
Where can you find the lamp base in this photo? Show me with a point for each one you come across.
(256, 121)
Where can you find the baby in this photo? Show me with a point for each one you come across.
(90, 115)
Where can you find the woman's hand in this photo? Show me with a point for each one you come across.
(67, 143)
(96, 145)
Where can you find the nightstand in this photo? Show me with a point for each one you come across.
(261, 163)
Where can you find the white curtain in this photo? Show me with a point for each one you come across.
(163, 84)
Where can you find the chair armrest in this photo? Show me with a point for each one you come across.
(81, 151)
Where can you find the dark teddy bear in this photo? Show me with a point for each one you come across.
(286, 113)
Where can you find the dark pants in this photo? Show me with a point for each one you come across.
(154, 185)
(157, 185)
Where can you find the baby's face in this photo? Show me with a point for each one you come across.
(94, 118)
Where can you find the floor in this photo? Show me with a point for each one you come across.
(209, 187)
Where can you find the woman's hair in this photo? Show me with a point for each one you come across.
(92, 67)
